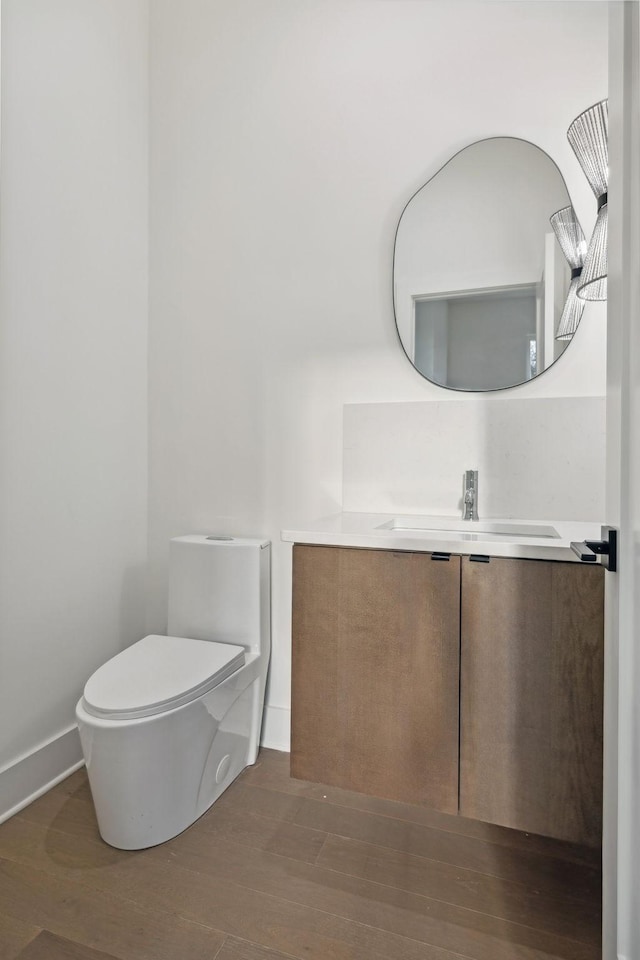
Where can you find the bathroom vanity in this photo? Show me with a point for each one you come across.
(461, 671)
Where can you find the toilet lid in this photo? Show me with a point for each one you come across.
(157, 674)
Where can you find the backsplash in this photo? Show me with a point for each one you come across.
(537, 459)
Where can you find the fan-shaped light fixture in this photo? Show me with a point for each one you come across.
(588, 136)
(573, 244)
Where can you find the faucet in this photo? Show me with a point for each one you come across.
(470, 497)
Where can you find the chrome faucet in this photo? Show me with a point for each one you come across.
(470, 496)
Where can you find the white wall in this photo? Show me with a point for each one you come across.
(73, 301)
(286, 137)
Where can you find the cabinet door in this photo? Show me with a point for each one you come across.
(531, 696)
(376, 673)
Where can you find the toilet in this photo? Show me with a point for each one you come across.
(167, 724)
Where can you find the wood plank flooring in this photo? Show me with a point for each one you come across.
(281, 869)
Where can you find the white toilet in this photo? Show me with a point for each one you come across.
(170, 722)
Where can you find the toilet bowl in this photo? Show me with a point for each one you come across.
(168, 724)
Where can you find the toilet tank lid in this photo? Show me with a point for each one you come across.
(220, 539)
(159, 673)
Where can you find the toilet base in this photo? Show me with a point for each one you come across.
(153, 777)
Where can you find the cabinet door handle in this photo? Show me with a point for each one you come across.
(589, 550)
(479, 558)
(440, 556)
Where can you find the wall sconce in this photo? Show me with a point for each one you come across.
(588, 136)
(573, 245)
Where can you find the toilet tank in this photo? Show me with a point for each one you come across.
(219, 589)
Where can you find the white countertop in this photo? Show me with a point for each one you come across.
(361, 530)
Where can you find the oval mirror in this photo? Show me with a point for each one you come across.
(479, 279)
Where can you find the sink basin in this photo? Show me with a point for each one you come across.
(487, 528)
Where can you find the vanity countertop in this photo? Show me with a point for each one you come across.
(368, 530)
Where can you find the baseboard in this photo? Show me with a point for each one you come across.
(276, 728)
(31, 775)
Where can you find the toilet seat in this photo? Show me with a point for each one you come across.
(157, 674)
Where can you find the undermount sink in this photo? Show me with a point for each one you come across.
(488, 528)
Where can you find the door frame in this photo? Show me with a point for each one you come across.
(621, 834)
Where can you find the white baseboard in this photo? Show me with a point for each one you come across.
(276, 728)
(28, 777)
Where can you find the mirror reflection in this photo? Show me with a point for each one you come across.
(479, 277)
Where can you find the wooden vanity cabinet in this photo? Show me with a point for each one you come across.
(531, 696)
(464, 685)
(376, 643)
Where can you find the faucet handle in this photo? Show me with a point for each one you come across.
(471, 477)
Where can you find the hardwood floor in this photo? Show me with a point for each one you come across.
(280, 869)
